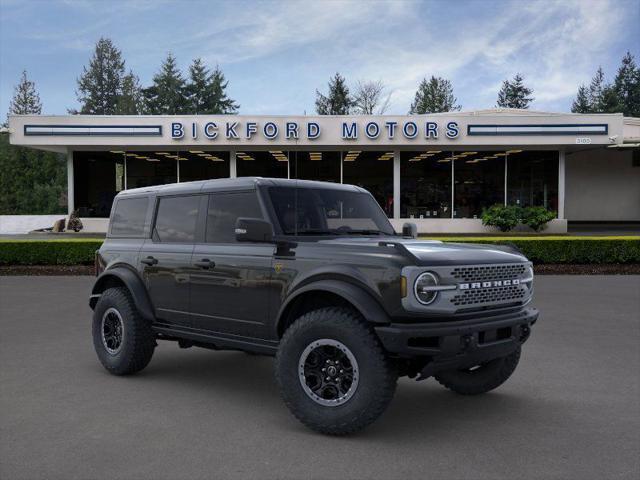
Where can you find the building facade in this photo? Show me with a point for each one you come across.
(439, 171)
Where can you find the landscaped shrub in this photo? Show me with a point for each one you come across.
(536, 217)
(508, 217)
(558, 249)
(48, 252)
(504, 217)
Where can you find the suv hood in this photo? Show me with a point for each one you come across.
(435, 252)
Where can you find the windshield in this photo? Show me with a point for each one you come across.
(316, 211)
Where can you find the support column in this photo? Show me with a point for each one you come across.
(506, 170)
(232, 164)
(561, 177)
(396, 184)
(71, 204)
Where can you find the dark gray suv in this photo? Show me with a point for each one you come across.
(314, 274)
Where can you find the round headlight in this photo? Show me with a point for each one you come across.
(423, 288)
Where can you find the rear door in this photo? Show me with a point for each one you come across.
(166, 257)
(230, 292)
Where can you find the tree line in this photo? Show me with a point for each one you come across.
(106, 88)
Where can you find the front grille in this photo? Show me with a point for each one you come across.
(511, 293)
(480, 273)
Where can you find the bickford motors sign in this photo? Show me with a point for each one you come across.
(294, 130)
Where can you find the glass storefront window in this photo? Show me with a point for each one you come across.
(272, 164)
(202, 165)
(425, 185)
(145, 169)
(324, 166)
(478, 182)
(372, 171)
(98, 177)
(532, 179)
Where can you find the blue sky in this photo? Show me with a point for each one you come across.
(275, 54)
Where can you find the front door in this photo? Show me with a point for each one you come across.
(231, 283)
(166, 257)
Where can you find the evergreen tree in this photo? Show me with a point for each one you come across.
(130, 101)
(25, 99)
(627, 86)
(206, 92)
(31, 181)
(596, 91)
(338, 101)
(433, 96)
(218, 101)
(99, 86)
(581, 104)
(514, 94)
(167, 95)
(196, 89)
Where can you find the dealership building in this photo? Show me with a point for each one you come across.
(438, 171)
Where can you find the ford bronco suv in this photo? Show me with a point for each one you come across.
(312, 273)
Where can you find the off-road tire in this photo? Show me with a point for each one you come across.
(377, 373)
(138, 340)
(481, 380)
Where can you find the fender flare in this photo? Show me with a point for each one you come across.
(363, 301)
(134, 284)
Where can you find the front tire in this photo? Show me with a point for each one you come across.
(482, 378)
(332, 372)
(123, 340)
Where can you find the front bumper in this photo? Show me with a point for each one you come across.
(451, 345)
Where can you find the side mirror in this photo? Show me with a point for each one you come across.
(253, 230)
(410, 230)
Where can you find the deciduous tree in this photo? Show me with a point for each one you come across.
(371, 98)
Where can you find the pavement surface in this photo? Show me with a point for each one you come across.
(571, 410)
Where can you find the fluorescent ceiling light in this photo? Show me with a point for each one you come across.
(162, 153)
(116, 151)
(152, 160)
(434, 151)
(514, 151)
(196, 151)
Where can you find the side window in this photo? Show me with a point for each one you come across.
(176, 219)
(224, 210)
(128, 217)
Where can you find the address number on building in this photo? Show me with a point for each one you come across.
(583, 141)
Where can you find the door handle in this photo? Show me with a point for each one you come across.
(149, 261)
(205, 263)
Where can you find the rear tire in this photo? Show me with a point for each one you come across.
(358, 381)
(480, 379)
(123, 340)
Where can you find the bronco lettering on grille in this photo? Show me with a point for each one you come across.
(494, 283)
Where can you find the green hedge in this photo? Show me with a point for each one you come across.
(551, 249)
(566, 249)
(48, 252)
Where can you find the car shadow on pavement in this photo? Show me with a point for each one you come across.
(423, 409)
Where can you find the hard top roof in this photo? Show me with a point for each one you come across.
(240, 183)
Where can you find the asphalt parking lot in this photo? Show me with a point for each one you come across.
(571, 410)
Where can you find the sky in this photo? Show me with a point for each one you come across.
(275, 54)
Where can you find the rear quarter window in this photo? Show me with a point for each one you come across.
(128, 217)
